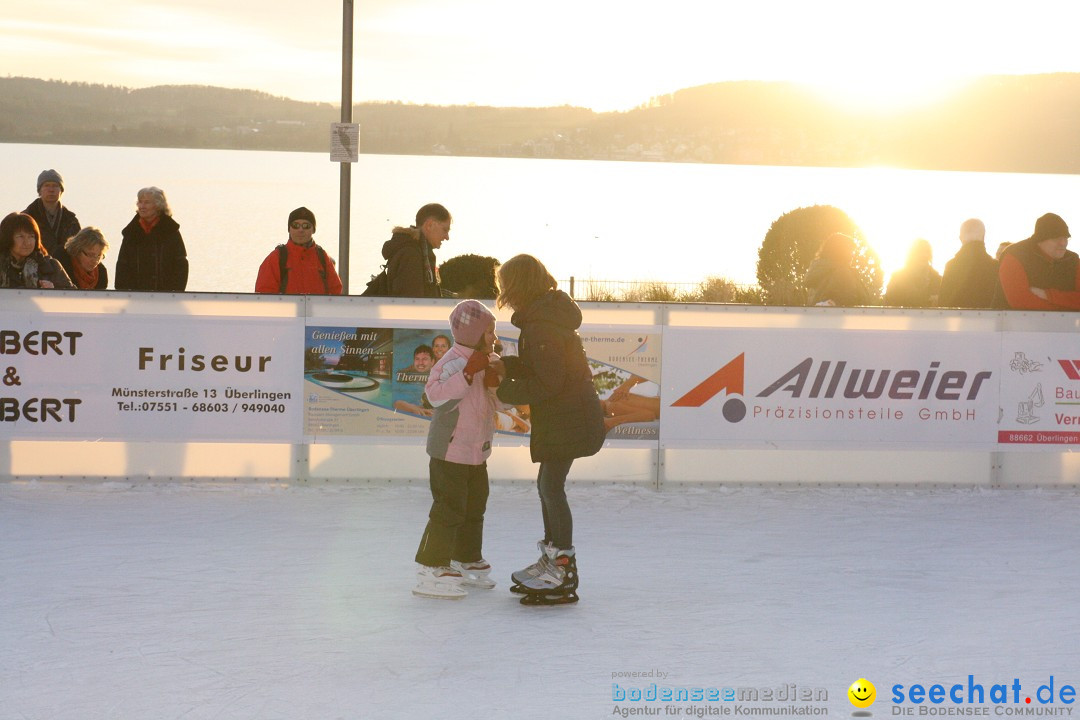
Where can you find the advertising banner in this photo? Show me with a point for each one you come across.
(132, 378)
(369, 381)
(626, 373)
(1040, 389)
(820, 389)
(180, 378)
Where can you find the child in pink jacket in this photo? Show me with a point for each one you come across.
(461, 388)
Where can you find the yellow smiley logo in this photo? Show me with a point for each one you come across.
(862, 693)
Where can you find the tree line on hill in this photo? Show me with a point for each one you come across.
(997, 123)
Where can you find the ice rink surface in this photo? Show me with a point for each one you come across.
(162, 601)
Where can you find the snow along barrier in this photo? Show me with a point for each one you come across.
(315, 389)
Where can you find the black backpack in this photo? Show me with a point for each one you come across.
(283, 254)
(378, 286)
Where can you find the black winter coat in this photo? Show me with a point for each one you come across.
(827, 280)
(35, 268)
(552, 377)
(970, 278)
(52, 238)
(410, 265)
(155, 261)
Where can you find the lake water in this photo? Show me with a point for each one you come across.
(676, 223)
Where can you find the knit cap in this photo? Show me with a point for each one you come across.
(50, 176)
(1050, 226)
(469, 320)
(302, 213)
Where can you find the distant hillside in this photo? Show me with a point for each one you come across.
(999, 123)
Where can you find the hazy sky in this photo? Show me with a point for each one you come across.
(603, 54)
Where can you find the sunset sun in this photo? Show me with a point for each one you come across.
(878, 92)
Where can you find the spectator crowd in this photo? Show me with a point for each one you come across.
(45, 246)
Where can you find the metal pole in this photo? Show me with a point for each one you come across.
(346, 167)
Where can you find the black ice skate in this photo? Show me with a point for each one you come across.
(557, 582)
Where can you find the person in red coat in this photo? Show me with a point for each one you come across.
(1040, 273)
(300, 266)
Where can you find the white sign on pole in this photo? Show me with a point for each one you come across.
(344, 142)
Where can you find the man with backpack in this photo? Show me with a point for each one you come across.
(299, 267)
(410, 269)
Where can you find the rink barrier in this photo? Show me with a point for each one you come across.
(719, 450)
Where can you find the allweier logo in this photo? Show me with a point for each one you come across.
(828, 379)
(728, 379)
(830, 388)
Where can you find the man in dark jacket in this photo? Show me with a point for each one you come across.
(410, 254)
(56, 222)
(971, 276)
(1040, 273)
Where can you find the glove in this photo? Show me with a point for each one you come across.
(477, 361)
(492, 378)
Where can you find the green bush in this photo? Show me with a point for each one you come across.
(791, 244)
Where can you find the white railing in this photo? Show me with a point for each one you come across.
(102, 441)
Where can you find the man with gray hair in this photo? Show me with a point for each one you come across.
(56, 222)
(971, 276)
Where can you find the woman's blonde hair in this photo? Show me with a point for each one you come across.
(522, 279)
(85, 239)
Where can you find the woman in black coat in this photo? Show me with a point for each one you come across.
(24, 261)
(152, 255)
(551, 376)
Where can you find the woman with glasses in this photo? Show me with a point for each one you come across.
(299, 266)
(85, 252)
(152, 255)
(24, 261)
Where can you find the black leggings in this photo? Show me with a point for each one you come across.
(558, 522)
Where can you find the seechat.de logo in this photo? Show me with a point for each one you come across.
(862, 693)
(728, 379)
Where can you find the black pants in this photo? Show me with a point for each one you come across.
(455, 528)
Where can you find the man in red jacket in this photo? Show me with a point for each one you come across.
(299, 267)
(1039, 273)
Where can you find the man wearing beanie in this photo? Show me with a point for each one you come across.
(56, 222)
(299, 266)
(1040, 273)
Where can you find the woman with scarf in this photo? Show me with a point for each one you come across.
(152, 255)
(24, 261)
(85, 252)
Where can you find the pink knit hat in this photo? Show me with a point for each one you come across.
(469, 320)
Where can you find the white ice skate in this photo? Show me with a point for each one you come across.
(557, 582)
(442, 583)
(474, 574)
(519, 577)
